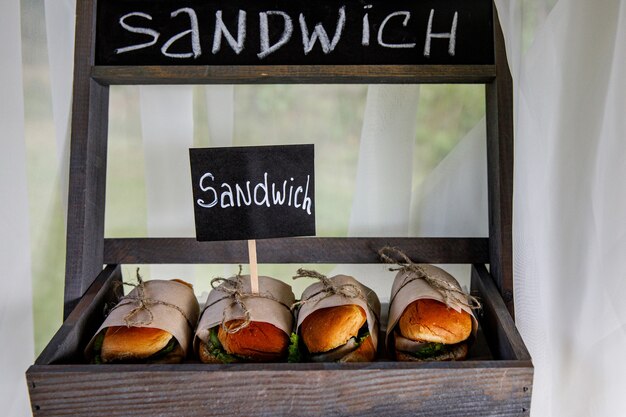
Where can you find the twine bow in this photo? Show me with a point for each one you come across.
(233, 288)
(143, 303)
(329, 288)
(448, 291)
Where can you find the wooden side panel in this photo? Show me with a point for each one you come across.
(500, 170)
(295, 74)
(85, 218)
(201, 390)
(294, 250)
(502, 336)
(68, 343)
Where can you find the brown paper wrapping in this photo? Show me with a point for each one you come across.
(164, 317)
(403, 295)
(323, 300)
(261, 309)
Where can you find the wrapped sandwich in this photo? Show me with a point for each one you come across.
(153, 324)
(239, 326)
(430, 317)
(337, 321)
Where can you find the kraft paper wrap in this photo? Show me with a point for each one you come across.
(314, 298)
(403, 294)
(157, 295)
(273, 310)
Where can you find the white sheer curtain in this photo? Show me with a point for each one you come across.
(569, 204)
(220, 114)
(16, 316)
(385, 157)
(60, 21)
(167, 127)
(452, 199)
(569, 223)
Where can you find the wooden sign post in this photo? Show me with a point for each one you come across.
(254, 272)
(256, 192)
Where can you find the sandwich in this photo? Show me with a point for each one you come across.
(150, 325)
(238, 326)
(430, 318)
(337, 334)
(257, 342)
(338, 322)
(430, 330)
(121, 344)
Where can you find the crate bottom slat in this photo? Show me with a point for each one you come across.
(489, 388)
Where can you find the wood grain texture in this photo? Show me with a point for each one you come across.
(69, 341)
(88, 160)
(293, 250)
(499, 328)
(295, 74)
(500, 170)
(448, 389)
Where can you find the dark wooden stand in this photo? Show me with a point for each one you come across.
(60, 383)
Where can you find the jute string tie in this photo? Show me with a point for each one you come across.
(329, 288)
(449, 292)
(233, 288)
(143, 303)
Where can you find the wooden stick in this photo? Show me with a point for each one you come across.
(254, 274)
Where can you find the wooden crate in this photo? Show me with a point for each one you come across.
(495, 381)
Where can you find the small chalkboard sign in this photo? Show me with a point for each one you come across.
(253, 192)
(294, 32)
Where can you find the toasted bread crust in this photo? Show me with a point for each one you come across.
(258, 341)
(432, 321)
(328, 328)
(126, 343)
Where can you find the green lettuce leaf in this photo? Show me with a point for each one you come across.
(294, 349)
(217, 350)
(430, 350)
(97, 349)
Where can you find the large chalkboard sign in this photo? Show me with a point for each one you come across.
(253, 192)
(291, 32)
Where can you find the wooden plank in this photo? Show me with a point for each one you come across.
(295, 74)
(451, 389)
(84, 320)
(88, 160)
(293, 250)
(500, 170)
(502, 336)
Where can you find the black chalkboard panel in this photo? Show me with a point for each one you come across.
(253, 192)
(294, 32)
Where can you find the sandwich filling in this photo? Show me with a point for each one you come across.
(215, 349)
(425, 350)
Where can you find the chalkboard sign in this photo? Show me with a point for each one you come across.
(253, 192)
(292, 32)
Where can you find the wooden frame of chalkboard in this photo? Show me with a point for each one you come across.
(497, 380)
